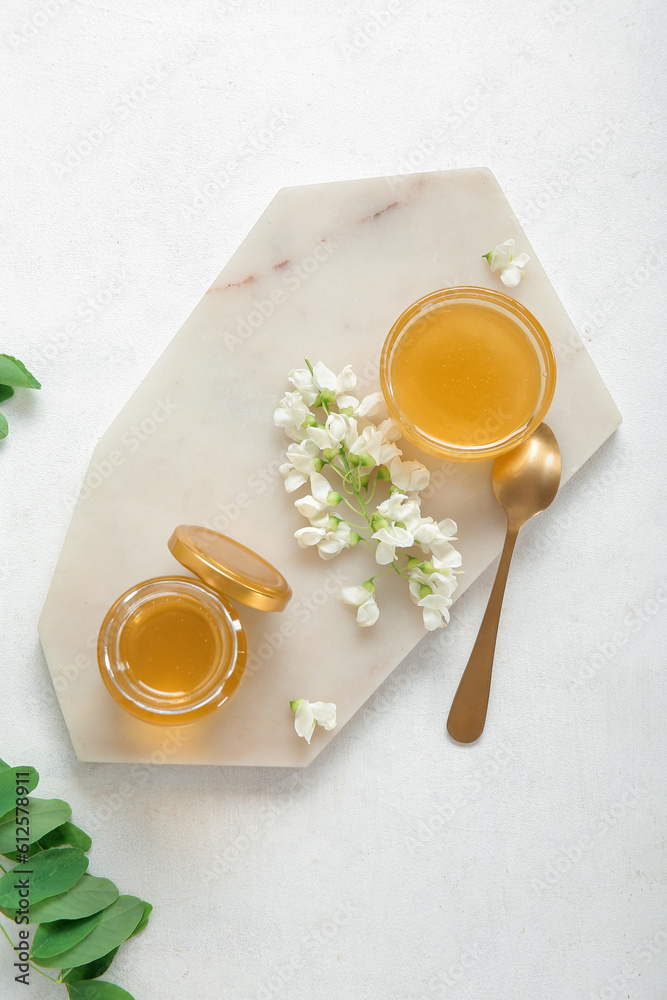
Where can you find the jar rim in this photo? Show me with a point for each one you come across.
(530, 327)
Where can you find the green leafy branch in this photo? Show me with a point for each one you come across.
(13, 375)
(82, 919)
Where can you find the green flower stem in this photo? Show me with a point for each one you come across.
(354, 492)
(401, 572)
(31, 964)
(346, 484)
(378, 575)
(369, 497)
(349, 472)
(353, 508)
(355, 488)
(349, 478)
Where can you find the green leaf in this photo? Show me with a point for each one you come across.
(68, 833)
(144, 920)
(6, 392)
(61, 935)
(90, 971)
(4, 427)
(96, 989)
(14, 372)
(89, 895)
(44, 815)
(8, 783)
(117, 923)
(48, 874)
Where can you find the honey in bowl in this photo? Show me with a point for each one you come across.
(171, 646)
(467, 373)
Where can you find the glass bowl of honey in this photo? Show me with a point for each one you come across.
(467, 373)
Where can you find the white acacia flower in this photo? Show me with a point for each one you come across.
(312, 384)
(407, 512)
(362, 598)
(441, 546)
(378, 442)
(366, 407)
(512, 269)
(390, 507)
(389, 539)
(330, 534)
(303, 462)
(423, 529)
(439, 585)
(409, 476)
(291, 415)
(438, 576)
(307, 713)
(334, 432)
(434, 608)
(322, 498)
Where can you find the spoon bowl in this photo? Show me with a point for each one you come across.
(525, 481)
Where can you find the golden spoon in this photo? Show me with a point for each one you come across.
(525, 481)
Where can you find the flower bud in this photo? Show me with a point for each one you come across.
(400, 524)
(310, 421)
(333, 522)
(318, 464)
(295, 704)
(330, 453)
(424, 591)
(378, 521)
(327, 396)
(383, 473)
(333, 499)
(367, 460)
(354, 459)
(370, 586)
(427, 567)
(355, 538)
(413, 562)
(347, 410)
(363, 482)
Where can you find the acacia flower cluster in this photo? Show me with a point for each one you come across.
(346, 456)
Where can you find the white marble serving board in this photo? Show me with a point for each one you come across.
(323, 274)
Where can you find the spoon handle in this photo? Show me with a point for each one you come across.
(468, 712)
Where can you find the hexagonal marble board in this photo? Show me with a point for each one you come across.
(323, 274)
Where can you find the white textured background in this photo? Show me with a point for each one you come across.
(400, 865)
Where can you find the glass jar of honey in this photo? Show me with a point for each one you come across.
(173, 648)
(467, 373)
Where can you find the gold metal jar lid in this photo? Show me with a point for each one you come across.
(230, 568)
